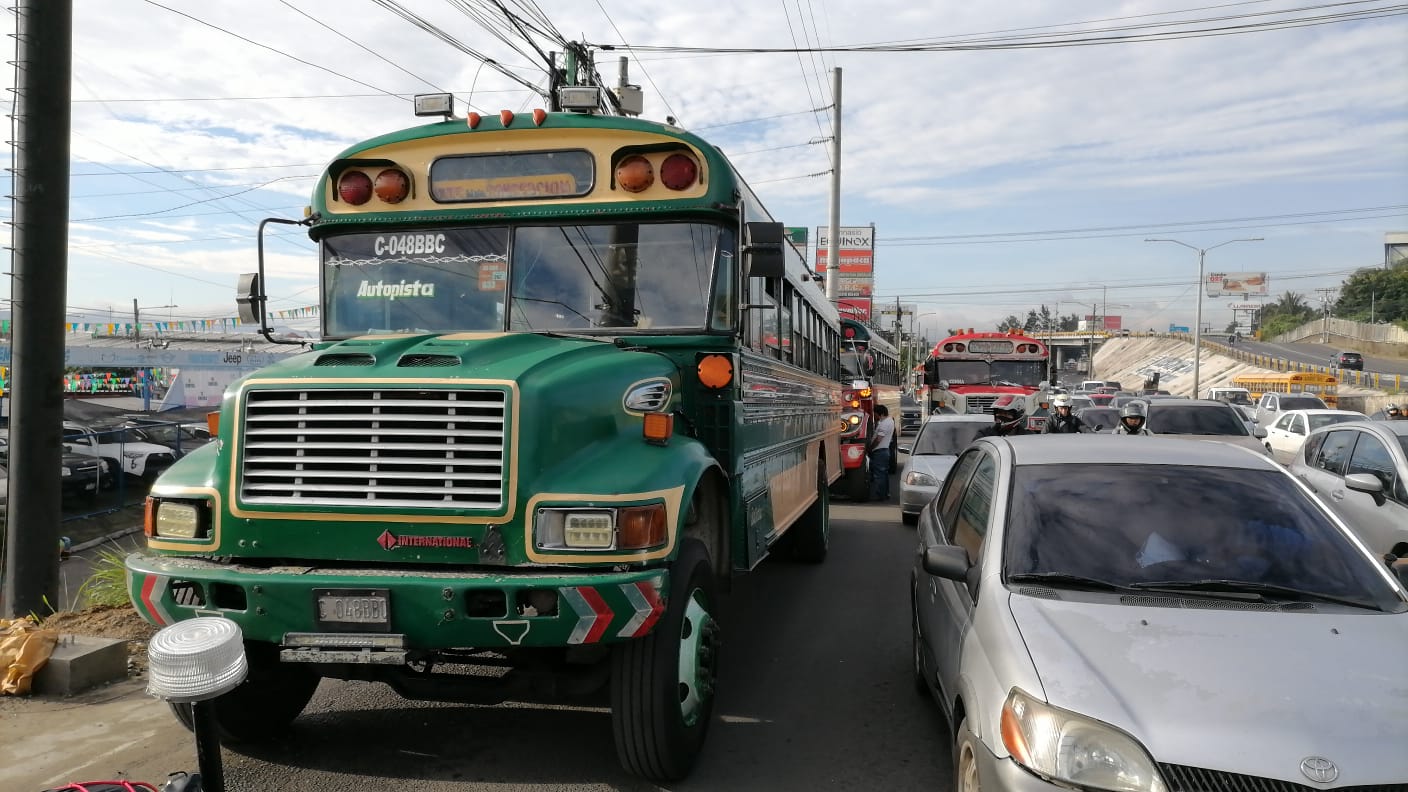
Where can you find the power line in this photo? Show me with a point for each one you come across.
(650, 79)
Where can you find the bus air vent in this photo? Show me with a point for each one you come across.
(428, 361)
(345, 359)
(374, 448)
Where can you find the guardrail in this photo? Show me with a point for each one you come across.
(1364, 379)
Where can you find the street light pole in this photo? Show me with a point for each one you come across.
(1198, 323)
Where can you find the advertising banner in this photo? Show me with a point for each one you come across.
(1246, 284)
(855, 264)
(1244, 306)
(798, 237)
(1111, 322)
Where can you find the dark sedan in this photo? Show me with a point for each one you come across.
(1099, 419)
(1348, 360)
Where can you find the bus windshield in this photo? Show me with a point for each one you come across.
(1027, 373)
(624, 278)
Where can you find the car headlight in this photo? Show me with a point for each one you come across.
(67, 471)
(915, 478)
(133, 454)
(177, 519)
(587, 528)
(1069, 748)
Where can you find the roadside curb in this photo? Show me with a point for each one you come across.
(118, 534)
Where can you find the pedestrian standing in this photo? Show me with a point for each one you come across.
(881, 450)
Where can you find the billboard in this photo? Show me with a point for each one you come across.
(798, 237)
(1111, 322)
(1244, 306)
(1246, 284)
(1178, 329)
(855, 265)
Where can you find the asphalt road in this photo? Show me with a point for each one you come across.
(815, 694)
(1319, 355)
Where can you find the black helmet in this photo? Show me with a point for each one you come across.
(1008, 411)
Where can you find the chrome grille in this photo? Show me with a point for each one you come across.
(1195, 779)
(365, 447)
(980, 404)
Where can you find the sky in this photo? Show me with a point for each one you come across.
(997, 178)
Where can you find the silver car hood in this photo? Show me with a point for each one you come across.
(1242, 691)
(1245, 441)
(936, 465)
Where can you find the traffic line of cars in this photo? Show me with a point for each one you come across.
(1100, 612)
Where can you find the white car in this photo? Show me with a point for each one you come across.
(1285, 436)
(941, 439)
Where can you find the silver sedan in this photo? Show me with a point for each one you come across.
(939, 443)
(1093, 613)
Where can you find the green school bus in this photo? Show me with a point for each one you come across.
(571, 381)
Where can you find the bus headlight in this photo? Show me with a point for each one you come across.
(626, 528)
(177, 520)
(852, 421)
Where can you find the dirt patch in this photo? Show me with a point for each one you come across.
(109, 621)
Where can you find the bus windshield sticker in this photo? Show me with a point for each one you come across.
(493, 275)
(507, 177)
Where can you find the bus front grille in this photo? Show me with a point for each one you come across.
(374, 448)
(980, 404)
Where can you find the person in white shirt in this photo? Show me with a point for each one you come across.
(882, 453)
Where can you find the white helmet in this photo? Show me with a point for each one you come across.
(1060, 400)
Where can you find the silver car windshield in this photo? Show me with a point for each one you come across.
(1154, 524)
(947, 437)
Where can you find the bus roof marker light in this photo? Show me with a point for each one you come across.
(679, 172)
(634, 174)
(473, 120)
(392, 186)
(441, 104)
(354, 187)
(506, 117)
(539, 116)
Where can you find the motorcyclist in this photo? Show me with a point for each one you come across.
(1395, 413)
(1062, 420)
(1008, 417)
(1132, 419)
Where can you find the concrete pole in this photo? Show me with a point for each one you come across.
(833, 266)
(1198, 327)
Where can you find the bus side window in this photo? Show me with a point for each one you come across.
(762, 321)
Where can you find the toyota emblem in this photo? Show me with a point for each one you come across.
(1319, 769)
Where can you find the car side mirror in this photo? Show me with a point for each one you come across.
(947, 561)
(1259, 433)
(1366, 483)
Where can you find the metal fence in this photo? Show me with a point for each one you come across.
(1363, 331)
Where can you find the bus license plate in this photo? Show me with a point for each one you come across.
(355, 607)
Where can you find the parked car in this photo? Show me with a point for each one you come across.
(182, 439)
(1348, 360)
(124, 452)
(1204, 419)
(1081, 402)
(1271, 405)
(1285, 437)
(1094, 613)
(939, 443)
(1360, 470)
(1098, 418)
(79, 475)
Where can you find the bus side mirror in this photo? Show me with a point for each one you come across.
(763, 250)
(249, 298)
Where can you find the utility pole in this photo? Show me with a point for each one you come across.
(137, 317)
(833, 255)
(1325, 318)
(43, 70)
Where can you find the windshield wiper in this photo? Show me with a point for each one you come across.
(1067, 580)
(1253, 589)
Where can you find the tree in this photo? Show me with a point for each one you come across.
(1287, 313)
(1375, 295)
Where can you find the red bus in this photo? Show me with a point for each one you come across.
(870, 368)
(966, 372)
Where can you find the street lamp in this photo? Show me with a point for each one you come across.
(1198, 323)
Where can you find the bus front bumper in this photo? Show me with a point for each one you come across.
(419, 609)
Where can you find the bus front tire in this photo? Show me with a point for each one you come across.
(856, 482)
(662, 685)
(264, 705)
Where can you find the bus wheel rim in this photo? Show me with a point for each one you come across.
(698, 652)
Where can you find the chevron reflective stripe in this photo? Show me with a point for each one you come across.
(645, 599)
(593, 614)
(152, 590)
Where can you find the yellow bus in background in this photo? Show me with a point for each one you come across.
(1322, 385)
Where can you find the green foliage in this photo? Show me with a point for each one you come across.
(108, 584)
(1375, 295)
(1040, 320)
